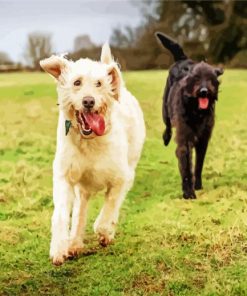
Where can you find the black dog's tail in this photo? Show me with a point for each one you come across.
(175, 49)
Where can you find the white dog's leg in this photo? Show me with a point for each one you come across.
(105, 223)
(79, 217)
(63, 195)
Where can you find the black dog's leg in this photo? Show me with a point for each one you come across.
(168, 131)
(184, 155)
(201, 149)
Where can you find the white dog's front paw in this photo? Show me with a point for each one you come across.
(58, 253)
(105, 231)
(58, 259)
(76, 247)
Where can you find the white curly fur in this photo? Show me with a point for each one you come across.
(85, 165)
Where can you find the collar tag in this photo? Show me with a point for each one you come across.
(67, 126)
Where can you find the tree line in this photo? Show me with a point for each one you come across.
(208, 30)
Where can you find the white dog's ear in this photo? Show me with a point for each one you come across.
(106, 56)
(115, 80)
(54, 65)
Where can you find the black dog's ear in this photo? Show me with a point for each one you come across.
(218, 71)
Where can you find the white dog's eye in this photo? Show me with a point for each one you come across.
(98, 84)
(77, 82)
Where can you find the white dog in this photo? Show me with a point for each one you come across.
(100, 136)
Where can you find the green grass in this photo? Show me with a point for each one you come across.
(164, 244)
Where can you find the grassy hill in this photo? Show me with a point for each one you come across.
(164, 245)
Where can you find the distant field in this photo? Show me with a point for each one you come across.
(164, 244)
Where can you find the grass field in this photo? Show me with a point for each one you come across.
(164, 244)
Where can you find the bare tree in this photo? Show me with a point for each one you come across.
(4, 58)
(83, 42)
(124, 38)
(38, 47)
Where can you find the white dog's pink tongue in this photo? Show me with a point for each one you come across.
(96, 122)
(203, 103)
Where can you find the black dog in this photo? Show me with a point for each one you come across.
(189, 106)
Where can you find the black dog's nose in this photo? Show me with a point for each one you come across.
(88, 102)
(203, 92)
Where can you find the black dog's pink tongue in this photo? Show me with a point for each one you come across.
(96, 122)
(203, 103)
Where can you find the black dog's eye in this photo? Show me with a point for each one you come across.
(98, 84)
(77, 82)
(186, 69)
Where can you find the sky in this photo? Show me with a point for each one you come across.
(64, 20)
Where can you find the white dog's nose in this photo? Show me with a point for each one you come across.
(88, 102)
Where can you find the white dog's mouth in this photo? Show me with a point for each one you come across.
(90, 122)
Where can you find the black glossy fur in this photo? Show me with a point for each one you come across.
(186, 83)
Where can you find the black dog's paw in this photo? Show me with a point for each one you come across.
(189, 195)
(167, 136)
(198, 184)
